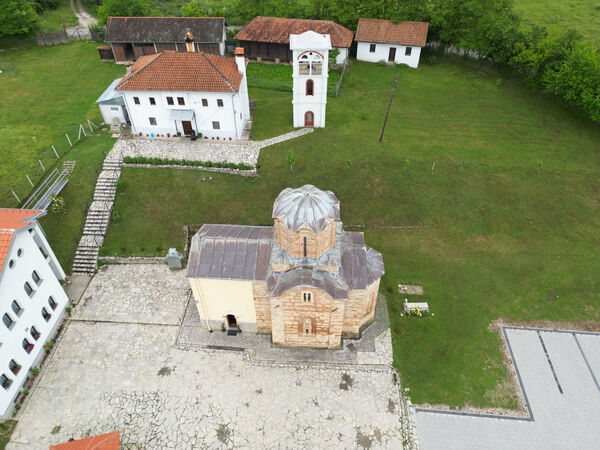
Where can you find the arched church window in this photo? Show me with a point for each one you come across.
(307, 297)
(310, 85)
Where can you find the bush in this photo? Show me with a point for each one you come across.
(184, 162)
(57, 205)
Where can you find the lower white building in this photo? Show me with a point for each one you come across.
(32, 300)
(381, 40)
(178, 94)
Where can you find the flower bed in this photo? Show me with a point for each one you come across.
(184, 162)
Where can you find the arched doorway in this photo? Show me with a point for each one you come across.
(309, 119)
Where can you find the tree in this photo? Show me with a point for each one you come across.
(290, 159)
(17, 17)
(192, 9)
(130, 8)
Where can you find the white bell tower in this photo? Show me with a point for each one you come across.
(311, 70)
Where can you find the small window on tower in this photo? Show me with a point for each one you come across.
(316, 67)
(310, 87)
(307, 297)
(304, 68)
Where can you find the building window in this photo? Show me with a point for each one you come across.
(180, 101)
(46, 315)
(11, 263)
(14, 367)
(317, 67)
(5, 381)
(204, 102)
(220, 102)
(20, 252)
(8, 321)
(170, 101)
(136, 100)
(408, 51)
(372, 48)
(28, 289)
(36, 278)
(216, 126)
(152, 101)
(310, 87)
(152, 120)
(307, 297)
(52, 303)
(27, 346)
(307, 327)
(16, 308)
(304, 67)
(35, 333)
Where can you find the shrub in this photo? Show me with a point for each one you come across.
(115, 216)
(102, 251)
(183, 162)
(57, 205)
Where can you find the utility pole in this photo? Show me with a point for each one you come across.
(389, 106)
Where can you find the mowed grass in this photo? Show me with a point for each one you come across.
(511, 210)
(64, 231)
(45, 91)
(580, 15)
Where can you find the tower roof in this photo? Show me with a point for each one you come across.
(310, 40)
(306, 207)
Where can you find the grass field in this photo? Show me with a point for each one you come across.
(45, 91)
(52, 20)
(580, 15)
(64, 231)
(512, 204)
(279, 77)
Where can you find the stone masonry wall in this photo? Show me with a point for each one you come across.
(316, 243)
(360, 309)
(263, 307)
(289, 312)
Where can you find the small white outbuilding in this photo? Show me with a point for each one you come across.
(381, 40)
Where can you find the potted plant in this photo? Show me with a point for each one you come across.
(168, 134)
(223, 327)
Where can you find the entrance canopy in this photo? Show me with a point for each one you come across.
(181, 114)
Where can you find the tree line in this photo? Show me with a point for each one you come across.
(21, 16)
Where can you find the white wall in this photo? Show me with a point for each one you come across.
(112, 111)
(341, 58)
(215, 299)
(11, 288)
(317, 102)
(382, 52)
(231, 116)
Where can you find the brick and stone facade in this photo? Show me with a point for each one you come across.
(311, 282)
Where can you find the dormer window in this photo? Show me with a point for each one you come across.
(307, 297)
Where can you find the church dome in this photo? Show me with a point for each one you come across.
(306, 207)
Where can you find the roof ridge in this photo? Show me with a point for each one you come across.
(335, 27)
(219, 72)
(132, 75)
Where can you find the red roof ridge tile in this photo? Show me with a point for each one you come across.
(218, 71)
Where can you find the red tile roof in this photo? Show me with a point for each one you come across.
(387, 32)
(108, 441)
(278, 30)
(172, 71)
(12, 220)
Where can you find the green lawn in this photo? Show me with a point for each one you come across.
(64, 231)
(6, 429)
(279, 77)
(580, 15)
(513, 207)
(52, 20)
(45, 91)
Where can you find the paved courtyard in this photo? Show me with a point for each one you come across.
(118, 366)
(560, 374)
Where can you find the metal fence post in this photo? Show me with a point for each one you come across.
(55, 152)
(29, 179)
(16, 196)
(41, 164)
(68, 139)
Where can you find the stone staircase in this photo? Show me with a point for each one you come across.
(69, 166)
(98, 217)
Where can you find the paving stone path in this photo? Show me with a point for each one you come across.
(118, 367)
(98, 217)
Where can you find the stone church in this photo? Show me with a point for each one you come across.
(304, 280)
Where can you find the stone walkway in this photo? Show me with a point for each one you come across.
(118, 367)
(559, 373)
(246, 152)
(98, 217)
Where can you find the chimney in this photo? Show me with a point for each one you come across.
(240, 60)
(189, 42)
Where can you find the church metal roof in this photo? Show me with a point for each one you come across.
(306, 207)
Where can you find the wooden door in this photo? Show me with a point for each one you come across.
(392, 55)
(187, 127)
(309, 119)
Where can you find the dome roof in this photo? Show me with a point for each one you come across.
(306, 207)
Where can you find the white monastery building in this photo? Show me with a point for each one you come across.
(32, 300)
(310, 52)
(169, 94)
(382, 40)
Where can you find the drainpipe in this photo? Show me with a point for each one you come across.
(204, 307)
